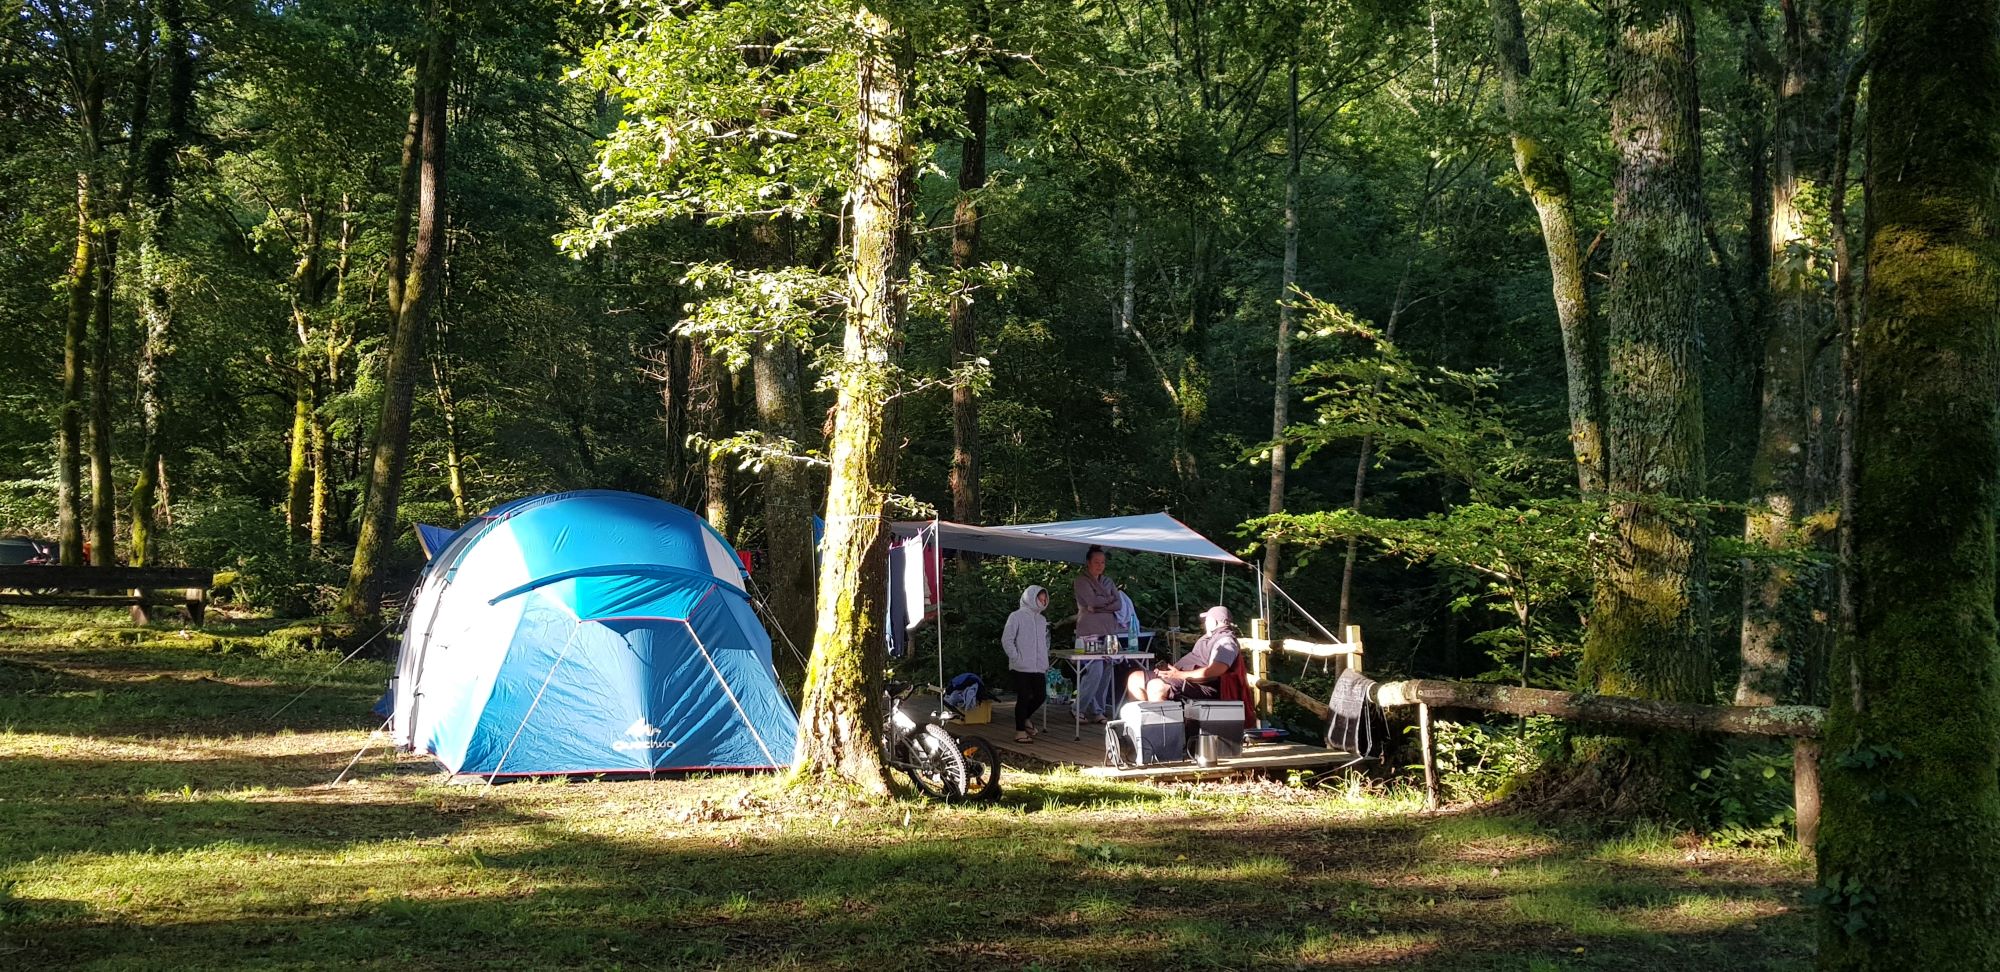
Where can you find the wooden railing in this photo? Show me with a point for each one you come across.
(1800, 723)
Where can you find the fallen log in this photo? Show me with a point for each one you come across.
(1802, 721)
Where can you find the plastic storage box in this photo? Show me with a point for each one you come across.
(1146, 733)
(1221, 720)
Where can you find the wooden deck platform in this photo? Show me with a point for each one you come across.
(1056, 746)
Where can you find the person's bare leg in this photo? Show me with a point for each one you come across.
(1135, 686)
(1157, 691)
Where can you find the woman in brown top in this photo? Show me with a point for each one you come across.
(1097, 606)
(1096, 598)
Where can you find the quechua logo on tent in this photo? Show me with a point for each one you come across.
(642, 735)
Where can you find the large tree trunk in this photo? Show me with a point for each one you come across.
(1911, 838)
(840, 721)
(155, 307)
(1281, 382)
(964, 318)
(305, 401)
(81, 282)
(1796, 311)
(392, 432)
(788, 505)
(1647, 631)
(1545, 177)
(103, 491)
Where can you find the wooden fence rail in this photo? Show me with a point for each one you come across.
(1800, 723)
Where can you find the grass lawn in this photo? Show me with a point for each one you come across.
(154, 815)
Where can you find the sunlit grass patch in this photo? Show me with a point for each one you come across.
(153, 815)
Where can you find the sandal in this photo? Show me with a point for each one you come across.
(1024, 737)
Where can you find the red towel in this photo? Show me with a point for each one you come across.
(1235, 687)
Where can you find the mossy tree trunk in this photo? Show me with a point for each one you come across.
(1646, 635)
(81, 282)
(103, 488)
(1545, 177)
(840, 722)
(1910, 842)
(392, 432)
(306, 288)
(1796, 314)
(155, 300)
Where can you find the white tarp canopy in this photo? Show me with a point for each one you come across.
(1069, 541)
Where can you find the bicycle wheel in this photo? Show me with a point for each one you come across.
(936, 768)
(982, 768)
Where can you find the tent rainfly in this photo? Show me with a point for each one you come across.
(588, 632)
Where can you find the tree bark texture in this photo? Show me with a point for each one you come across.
(155, 303)
(1281, 380)
(841, 719)
(1910, 841)
(964, 316)
(392, 432)
(788, 503)
(1647, 630)
(82, 283)
(710, 404)
(1545, 178)
(1795, 318)
(103, 490)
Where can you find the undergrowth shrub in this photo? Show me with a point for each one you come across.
(1479, 761)
(1744, 796)
(244, 536)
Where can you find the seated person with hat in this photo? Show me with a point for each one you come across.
(1198, 675)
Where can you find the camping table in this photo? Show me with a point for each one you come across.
(1078, 659)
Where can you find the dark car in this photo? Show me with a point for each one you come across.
(20, 551)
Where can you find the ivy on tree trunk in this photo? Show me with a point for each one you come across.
(1910, 841)
(841, 718)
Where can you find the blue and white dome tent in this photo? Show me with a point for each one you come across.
(588, 632)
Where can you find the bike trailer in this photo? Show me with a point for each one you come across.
(1146, 733)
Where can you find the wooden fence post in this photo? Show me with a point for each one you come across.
(1260, 667)
(1805, 790)
(1353, 633)
(1431, 799)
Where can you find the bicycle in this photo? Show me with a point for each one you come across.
(940, 765)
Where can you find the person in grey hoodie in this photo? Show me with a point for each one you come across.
(1026, 640)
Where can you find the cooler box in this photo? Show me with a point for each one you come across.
(1146, 733)
(1222, 720)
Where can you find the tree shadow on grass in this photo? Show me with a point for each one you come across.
(958, 889)
(196, 699)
